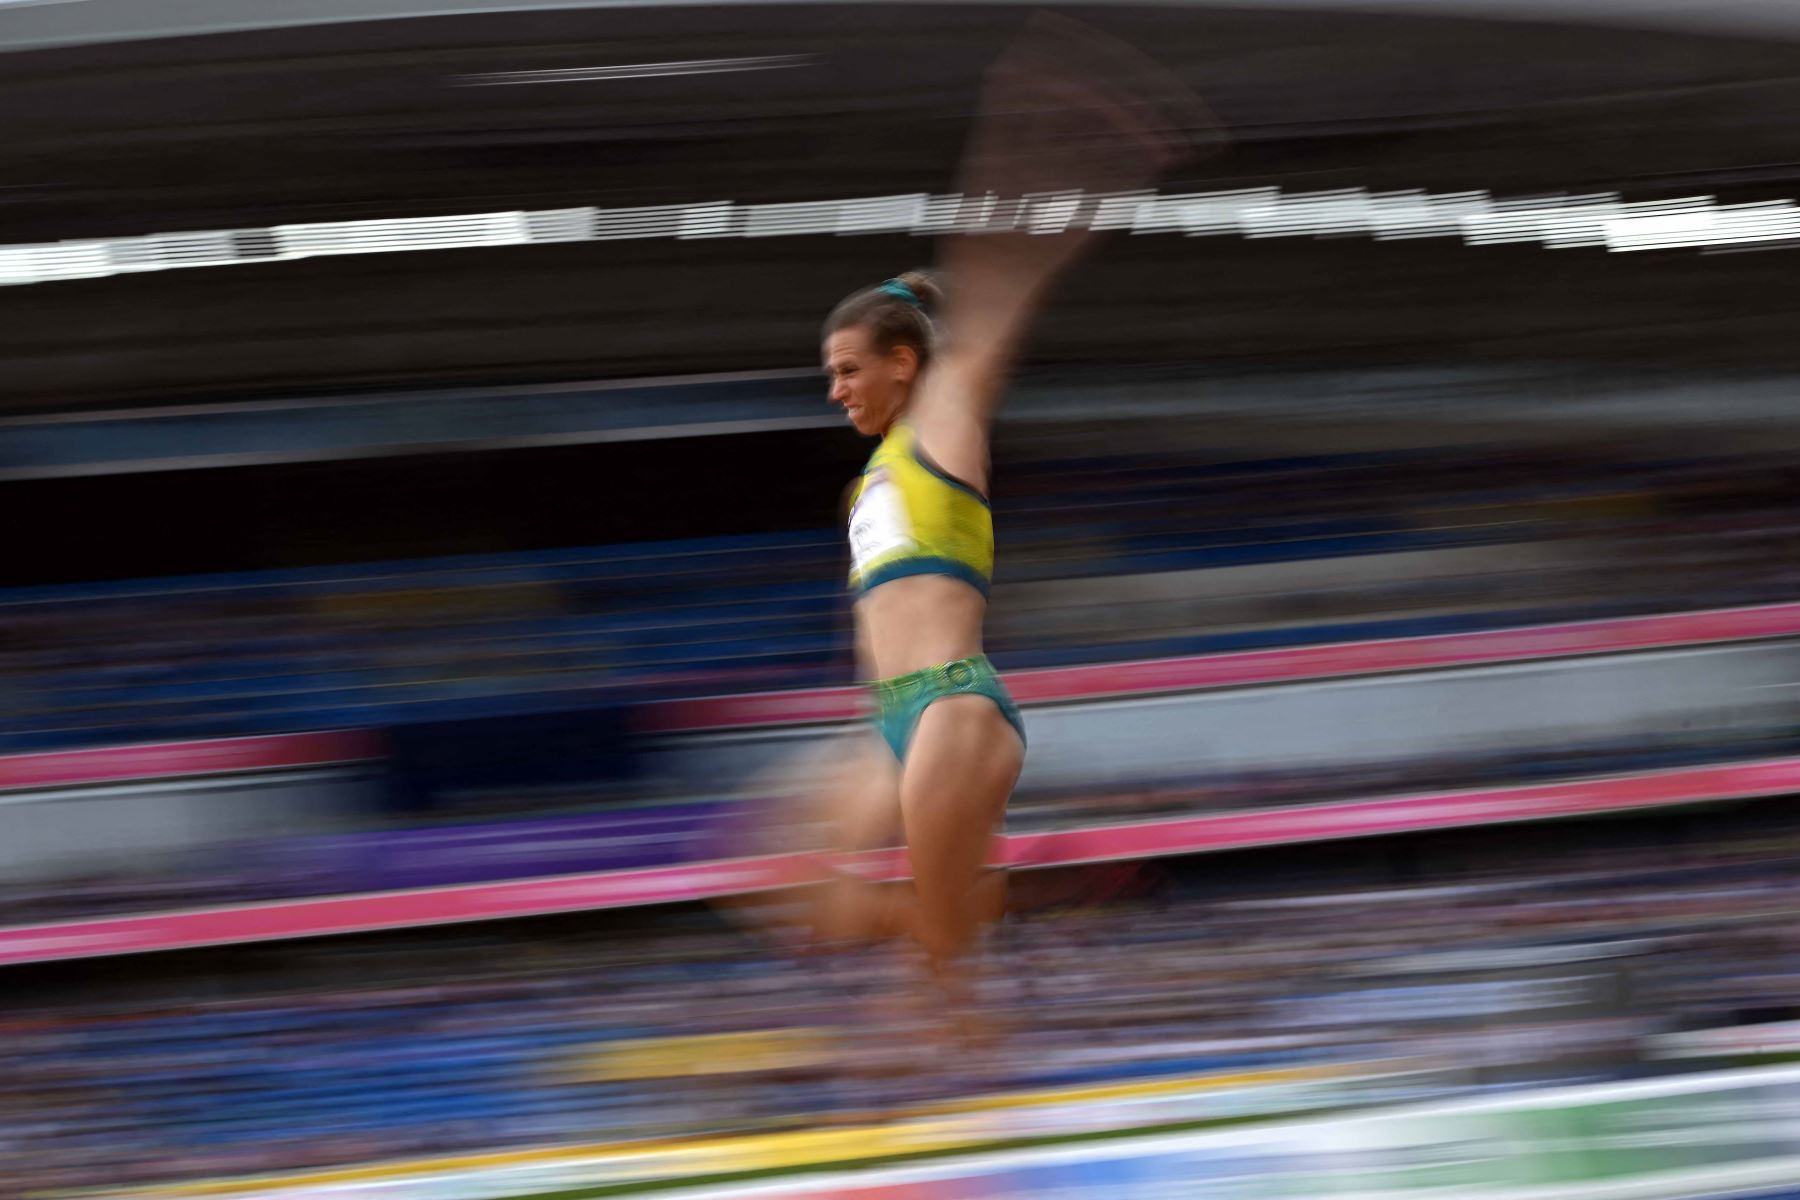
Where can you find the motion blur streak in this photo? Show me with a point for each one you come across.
(1553, 222)
(698, 66)
(423, 646)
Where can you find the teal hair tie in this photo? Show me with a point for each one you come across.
(900, 291)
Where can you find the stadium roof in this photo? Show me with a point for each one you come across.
(221, 123)
(36, 24)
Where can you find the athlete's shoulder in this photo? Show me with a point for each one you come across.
(891, 448)
(899, 437)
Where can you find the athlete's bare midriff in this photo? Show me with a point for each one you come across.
(920, 621)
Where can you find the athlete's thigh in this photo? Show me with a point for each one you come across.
(841, 796)
(967, 736)
(862, 801)
(960, 769)
(830, 799)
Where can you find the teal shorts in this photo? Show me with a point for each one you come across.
(901, 701)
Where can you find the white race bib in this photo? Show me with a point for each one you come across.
(878, 521)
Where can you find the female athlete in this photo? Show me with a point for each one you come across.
(924, 369)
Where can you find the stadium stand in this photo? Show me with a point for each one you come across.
(429, 1042)
(388, 642)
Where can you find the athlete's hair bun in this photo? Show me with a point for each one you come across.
(924, 288)
(895, 312)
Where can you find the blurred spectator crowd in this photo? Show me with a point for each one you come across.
(612, 1027)
(1123, 556)
(623, 1027)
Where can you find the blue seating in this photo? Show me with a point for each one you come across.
(224, 1079)
(267, 651)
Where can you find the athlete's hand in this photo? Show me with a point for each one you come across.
(1067, 108)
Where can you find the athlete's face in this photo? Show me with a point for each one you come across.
(869, 384)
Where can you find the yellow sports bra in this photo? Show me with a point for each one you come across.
(907, 517)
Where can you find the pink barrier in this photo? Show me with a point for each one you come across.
(1271, 666)
(1403, 814)
(520, 898)
(386, 910)
(111, 764)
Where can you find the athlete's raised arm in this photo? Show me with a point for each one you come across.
(1066, 116)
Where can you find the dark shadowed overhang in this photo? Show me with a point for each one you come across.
(124, 119)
